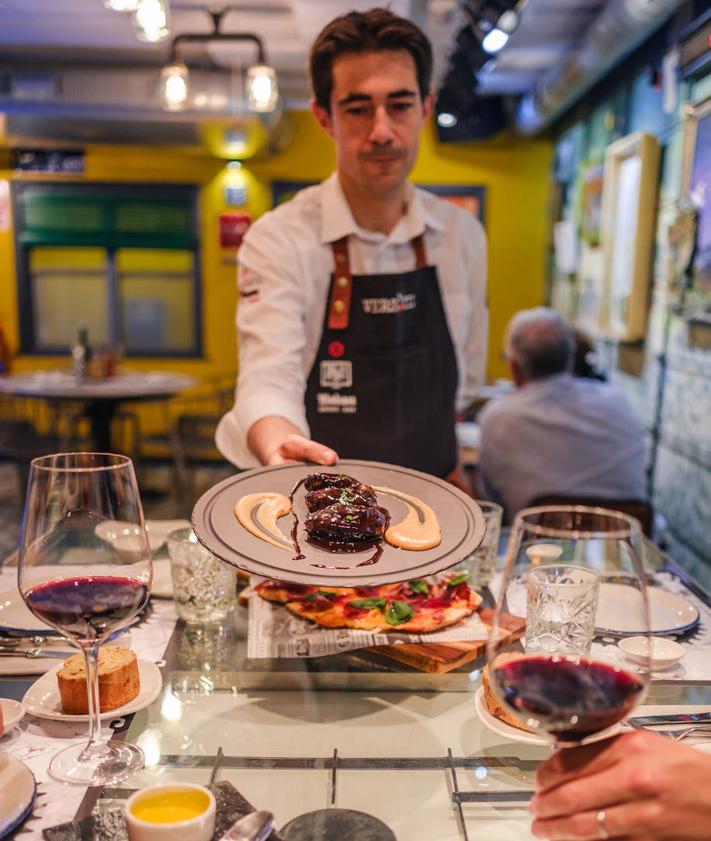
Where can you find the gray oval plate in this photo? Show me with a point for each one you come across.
(217, 527)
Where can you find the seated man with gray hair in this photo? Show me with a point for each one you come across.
(556, 434)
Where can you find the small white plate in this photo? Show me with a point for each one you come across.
(664, 652)
(162, 586)
(16, 616)
(617, 612)
(513, 734)
(118, 531)
(12, 713)
(42, 698)
(17, 793)
(501, 728)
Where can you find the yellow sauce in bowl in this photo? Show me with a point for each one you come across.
(171, 806)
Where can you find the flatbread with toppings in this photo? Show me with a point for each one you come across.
(417, 606)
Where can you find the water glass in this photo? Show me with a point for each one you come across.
(204, 587)
(481, 564)
(561, 603)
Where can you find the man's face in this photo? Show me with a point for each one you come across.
(376, 117)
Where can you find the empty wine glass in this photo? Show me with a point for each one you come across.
(74, 577)
(572, 571)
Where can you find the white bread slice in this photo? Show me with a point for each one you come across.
(119, 681)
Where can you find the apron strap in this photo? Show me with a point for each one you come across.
(339, 307)
(418, 246)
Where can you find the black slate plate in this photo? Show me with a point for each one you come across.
(111, 826)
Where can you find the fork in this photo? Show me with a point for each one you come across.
(698, 730)
(682, 733)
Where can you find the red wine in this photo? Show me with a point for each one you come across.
(570, 700)
(87, 608)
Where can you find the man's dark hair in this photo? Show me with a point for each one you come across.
(363, 32)
(540, 342)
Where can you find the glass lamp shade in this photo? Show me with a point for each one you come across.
(122, 5)
(262, 89)
(151, 20)
(174, 82)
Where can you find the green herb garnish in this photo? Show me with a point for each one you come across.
(458, 579)
(368, 604)
(419, 586)
(397, 612)
(327, 594)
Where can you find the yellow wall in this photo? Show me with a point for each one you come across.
(514, 172)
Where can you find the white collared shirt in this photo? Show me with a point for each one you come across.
(285, 266)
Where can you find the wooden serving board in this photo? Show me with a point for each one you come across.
(441, 657)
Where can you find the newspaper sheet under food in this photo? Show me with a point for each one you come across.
(275, 632)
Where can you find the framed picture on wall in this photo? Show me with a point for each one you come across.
(470, 197)
(696, 187)
(284, 190)
(629, 201)
(591, 210)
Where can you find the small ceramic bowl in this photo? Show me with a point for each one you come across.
(664, 652)
(171, 812)
(12, 714)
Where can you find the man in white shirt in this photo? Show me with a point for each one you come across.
(556, 434)
(362, 320)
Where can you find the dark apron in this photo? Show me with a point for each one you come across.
(384, 381)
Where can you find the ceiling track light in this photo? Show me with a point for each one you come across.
(261, 81)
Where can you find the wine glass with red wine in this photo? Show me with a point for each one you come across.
(571, 571)
(76, 575)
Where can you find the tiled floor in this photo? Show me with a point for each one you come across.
(161, 500)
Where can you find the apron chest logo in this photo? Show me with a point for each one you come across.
(333, 404)
(390, 306)
(336, 374)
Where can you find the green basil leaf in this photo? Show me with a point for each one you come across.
(368, 604)
(327, 594)
(458, 579)
(419, 586)
(397, 612)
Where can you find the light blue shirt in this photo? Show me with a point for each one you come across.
(560, 435)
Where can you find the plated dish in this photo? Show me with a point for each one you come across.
(17, 793)
(513, 734)
(669, 613)
(461, 524)
(42, 698)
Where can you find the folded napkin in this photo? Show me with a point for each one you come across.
(111, 826)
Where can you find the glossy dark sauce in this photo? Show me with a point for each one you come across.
(334, 546)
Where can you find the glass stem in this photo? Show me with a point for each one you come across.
(96, 745)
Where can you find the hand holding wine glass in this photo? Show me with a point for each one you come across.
(560, 561)
(83, 585)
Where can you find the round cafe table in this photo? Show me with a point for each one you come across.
(100, 397)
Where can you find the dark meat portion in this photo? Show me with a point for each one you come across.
(355, 495)
(347, 523)
(316, 481)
